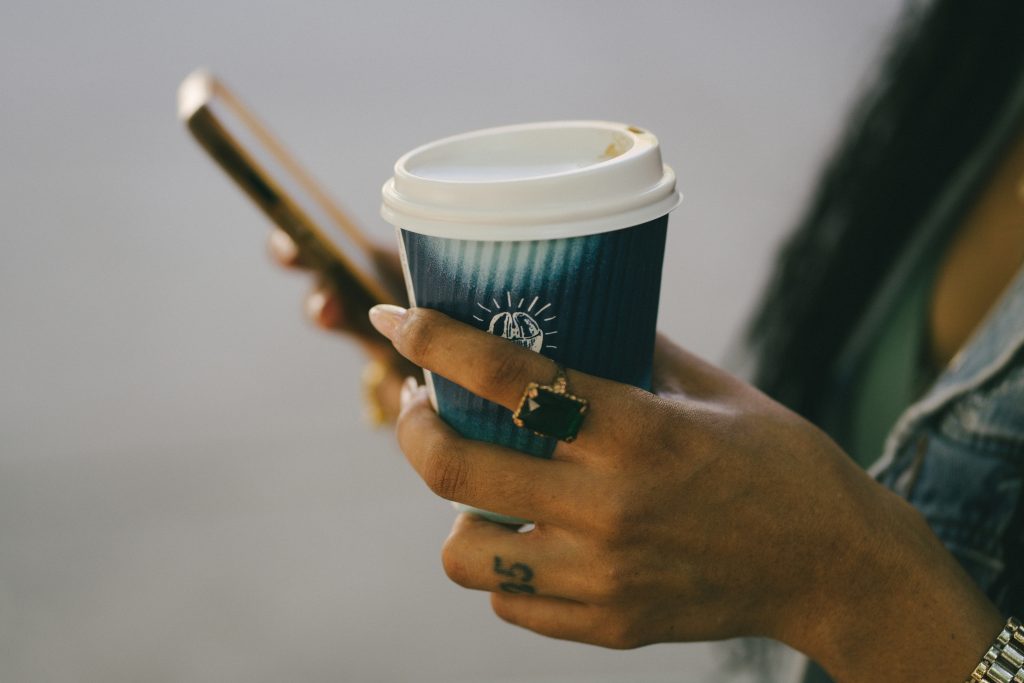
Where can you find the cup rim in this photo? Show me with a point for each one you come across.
(625, 187)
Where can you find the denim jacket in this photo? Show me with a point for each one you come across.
(957, 454)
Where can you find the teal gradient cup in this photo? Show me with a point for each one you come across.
(551, 235)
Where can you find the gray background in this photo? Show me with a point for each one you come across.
(187, 491)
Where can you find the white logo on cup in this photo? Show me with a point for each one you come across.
(524, 327)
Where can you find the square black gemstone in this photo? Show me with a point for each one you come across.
(552, 414)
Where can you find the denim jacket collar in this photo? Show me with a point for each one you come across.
(990, 349)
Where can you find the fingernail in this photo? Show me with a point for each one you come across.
(315, 303)
(409, 386)
(385, 318)
(283, 246)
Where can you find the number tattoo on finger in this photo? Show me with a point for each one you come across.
(521, 573)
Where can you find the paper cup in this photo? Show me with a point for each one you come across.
(551, 235)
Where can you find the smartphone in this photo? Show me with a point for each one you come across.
(328, 240)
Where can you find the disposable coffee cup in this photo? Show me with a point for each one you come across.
(551, 235)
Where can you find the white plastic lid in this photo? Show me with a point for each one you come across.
(531, 181)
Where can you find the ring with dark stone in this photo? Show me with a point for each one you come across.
(550, 410)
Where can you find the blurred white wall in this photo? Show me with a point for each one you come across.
(187, 492)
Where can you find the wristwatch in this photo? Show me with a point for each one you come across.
(1004, 661)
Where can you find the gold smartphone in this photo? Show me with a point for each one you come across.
(328, 240)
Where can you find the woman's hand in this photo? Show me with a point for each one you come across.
(706, 512)
(331, 309)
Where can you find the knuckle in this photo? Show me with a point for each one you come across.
(659, 422)
(618, 521)
(446, 469)
(417, 337)
(505, 367)
(615, 583)
(648, 432)
(621, 633)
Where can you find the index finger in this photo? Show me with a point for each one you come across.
(498, 370)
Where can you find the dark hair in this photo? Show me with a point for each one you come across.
(949, 70)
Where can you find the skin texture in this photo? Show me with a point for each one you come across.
(701, 512)
(985, 255)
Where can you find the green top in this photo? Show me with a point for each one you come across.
(894, 374)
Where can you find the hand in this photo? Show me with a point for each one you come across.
(331, 309)
(707, 512)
